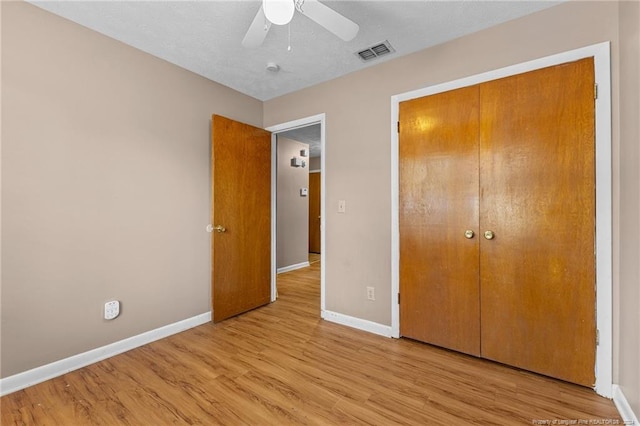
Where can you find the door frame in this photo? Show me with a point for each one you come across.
(604, 246)
(279, 128)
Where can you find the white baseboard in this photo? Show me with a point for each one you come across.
(58, 368)
(360, 324)
(293, 267)
(627, 414)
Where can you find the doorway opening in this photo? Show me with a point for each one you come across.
(298, 147)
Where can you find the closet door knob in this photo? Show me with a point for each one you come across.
(489, 235)
(468, 234)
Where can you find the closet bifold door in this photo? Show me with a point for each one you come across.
(537, 186)
(438, 179)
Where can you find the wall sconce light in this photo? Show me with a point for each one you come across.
(297, 162)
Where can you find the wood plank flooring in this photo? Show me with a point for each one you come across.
(281, 364)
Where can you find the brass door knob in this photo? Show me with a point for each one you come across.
(469, 234)
(489, 235)
(219, 228)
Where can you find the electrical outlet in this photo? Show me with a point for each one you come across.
(111, 309)
(371, 293)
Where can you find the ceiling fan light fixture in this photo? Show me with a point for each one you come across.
(279, 12)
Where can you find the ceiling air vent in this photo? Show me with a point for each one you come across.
(375, 51)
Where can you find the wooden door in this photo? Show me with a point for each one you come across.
(241, 212)
(537, 148)
(314, 212)
(439, 288)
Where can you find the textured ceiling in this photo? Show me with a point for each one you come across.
(309, 135)
(204, 36)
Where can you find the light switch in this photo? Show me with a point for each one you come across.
(304, 192)
(342, 206)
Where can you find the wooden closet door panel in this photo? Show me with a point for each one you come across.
(438, 151)
(538, 196)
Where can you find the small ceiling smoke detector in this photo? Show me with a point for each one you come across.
(375, 51)
(273, 67)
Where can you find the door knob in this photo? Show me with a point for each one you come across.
(489, 235)
(219, 228)
(468, 234)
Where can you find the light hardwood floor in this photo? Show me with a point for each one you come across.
(281, 364)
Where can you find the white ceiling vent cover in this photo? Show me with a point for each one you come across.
(375, 51)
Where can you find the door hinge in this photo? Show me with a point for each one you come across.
(398, 298)
(398, 127)
(595, 91)
(597, 337)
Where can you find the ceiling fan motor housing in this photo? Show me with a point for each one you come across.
(280, 12)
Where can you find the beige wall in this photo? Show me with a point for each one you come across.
(105, 187)
(292, 224)
(358, 245)
(315, 163)
(628, 317)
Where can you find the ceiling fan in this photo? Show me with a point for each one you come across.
(280, 12)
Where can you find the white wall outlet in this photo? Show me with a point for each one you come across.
(342, 206)
(371, 293)
(111, 309)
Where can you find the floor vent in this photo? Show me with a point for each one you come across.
(375, 51)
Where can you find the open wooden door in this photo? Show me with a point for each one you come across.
(241, 217)
(314, 212)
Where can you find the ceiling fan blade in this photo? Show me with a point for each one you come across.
(343, 27)
(257, 30)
